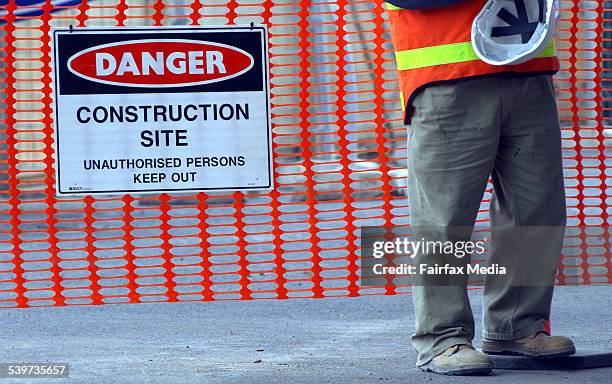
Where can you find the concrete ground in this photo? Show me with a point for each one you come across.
(336, 340)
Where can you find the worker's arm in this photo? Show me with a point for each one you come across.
(422, 4)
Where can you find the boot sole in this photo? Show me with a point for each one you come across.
(475, 370)
(505, 348)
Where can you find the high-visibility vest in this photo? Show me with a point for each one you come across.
(435, 46)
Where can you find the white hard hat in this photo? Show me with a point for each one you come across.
(509, 32)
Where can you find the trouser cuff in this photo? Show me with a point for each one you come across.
(536, 327)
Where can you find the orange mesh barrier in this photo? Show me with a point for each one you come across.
(339, 163)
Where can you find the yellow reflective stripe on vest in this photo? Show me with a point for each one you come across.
(549, 51)
(391, 7)
(447, 54)
(437, 55)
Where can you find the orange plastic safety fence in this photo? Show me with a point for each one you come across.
(339, 163)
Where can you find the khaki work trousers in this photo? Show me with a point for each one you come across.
(460, 134)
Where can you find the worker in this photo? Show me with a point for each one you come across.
(472, 115)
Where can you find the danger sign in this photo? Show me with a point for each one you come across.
(152, 110)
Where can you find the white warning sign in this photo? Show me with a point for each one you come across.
(152, 110)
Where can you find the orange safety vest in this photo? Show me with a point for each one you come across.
(435, 46)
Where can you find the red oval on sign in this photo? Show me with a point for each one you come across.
(160, 63)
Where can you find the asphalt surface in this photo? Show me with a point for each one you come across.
(334, 340)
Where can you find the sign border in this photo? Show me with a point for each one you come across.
(156, 29)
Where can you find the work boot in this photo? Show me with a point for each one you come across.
(539, 345)
(459, 360)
